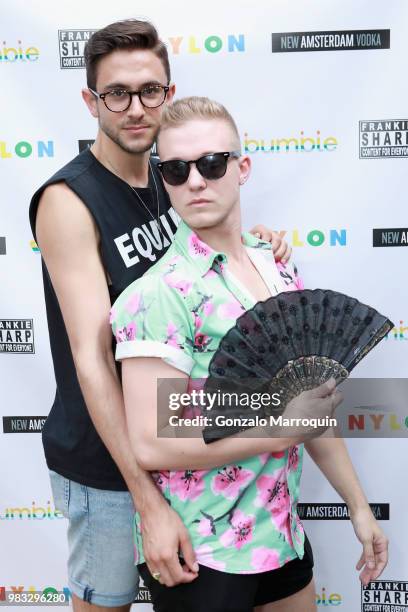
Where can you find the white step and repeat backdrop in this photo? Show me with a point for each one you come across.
(319, 91)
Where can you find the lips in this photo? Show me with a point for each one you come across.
(136, 128)
(198, 202)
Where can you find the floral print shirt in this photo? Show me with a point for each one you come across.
(241, 517)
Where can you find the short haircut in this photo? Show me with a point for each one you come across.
(128, 34)
(195, 107)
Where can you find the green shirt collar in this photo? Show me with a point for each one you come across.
(205, 258)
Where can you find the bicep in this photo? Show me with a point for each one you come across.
(68, 241)
(140, 379)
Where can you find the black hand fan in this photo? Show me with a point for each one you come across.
(290, 343)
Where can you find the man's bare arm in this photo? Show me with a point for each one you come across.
(331, 456)
(79, 280)
(172, 453)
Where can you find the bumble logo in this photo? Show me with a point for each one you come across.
(10, 55)
(399, 332)
(324, 599)
(32, 512)
(302, 143)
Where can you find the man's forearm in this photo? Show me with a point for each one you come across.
(103, 396)
(192, 453)
(331, 456)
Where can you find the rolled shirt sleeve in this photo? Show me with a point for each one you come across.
(152, 319)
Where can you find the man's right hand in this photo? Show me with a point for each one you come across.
(165, 537)
(317, 403)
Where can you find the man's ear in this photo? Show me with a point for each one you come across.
(91, 102)
(244, 169)
(170, 93)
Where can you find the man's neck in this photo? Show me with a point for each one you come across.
(133, 168)
(226, 238)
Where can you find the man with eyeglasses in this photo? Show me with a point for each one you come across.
(100, 223)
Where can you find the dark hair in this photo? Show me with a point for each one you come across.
(127, 34)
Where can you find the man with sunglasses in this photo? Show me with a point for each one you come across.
(100, 223)
(238, 496)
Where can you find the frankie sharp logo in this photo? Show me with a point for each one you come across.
(338, 512)
(390, 237)
(17, 336)
(385, 596)
(71, 47)
(383, 138)
(327, 40)
(23, 424)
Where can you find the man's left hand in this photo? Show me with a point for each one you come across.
(281, 250)
(374, 557)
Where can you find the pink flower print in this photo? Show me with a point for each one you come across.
(263, 457)
(176, 281)
(172, 335)
(293, 459)
(230, 310)
(264, 559)
(204, 555)
(230, 480)
(120, 334)
(210, 274)
(298, 530)
(133, 303)
(273, 495)
(201, 341)
(187, 484)
(240, 532)
(196, 247)
(206, 525)
(197, 321)
(299, 283)
(161, 479)
(278, 454)
(208, 308)
(131, 331)
(292, 281)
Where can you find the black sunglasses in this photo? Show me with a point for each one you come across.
(211, 166)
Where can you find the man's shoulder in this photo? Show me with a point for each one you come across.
(68, 173)
(74, 168)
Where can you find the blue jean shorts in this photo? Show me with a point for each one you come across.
(101, 566)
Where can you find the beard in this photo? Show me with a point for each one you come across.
(136, 147)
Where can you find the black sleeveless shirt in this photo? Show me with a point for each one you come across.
(130, 242)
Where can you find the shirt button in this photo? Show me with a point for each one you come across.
(220, 258)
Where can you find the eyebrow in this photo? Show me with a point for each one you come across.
(117, 85)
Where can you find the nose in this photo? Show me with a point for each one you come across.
(196, 181)
(136, 108)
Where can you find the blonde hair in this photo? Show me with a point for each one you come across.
(196, 107)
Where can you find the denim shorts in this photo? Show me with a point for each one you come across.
(101, 566)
